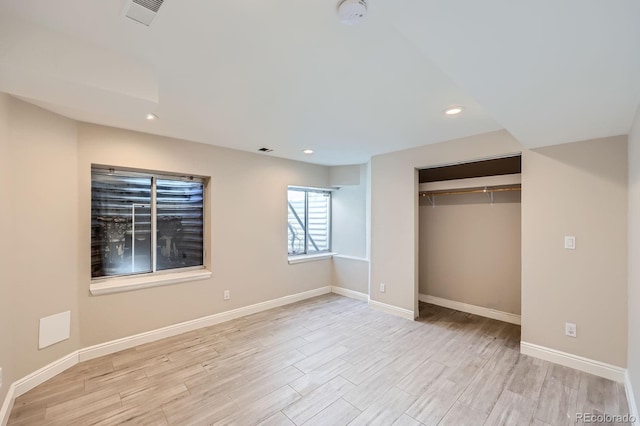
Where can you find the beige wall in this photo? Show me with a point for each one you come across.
(6, 305)
(348, 214)
(340, 176)
(352, 274)
(634, 258)
(577, 189)
(394, 209)
(248, 194)
(470, 250)
(40, 276)
(349, 228)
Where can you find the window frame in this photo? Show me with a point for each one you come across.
(134, 281)
(316, 254)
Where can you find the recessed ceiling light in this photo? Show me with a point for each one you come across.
(151, 117)
(307, 151)
(453, 110)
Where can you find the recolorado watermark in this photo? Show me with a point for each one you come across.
(604, 418)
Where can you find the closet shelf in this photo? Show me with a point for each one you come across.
(484, 189)
(489, 190)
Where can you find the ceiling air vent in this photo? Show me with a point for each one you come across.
(143, 11)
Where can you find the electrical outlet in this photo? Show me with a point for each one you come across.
(570, 242)
(383, 287)
(570, 329)
(227, 295)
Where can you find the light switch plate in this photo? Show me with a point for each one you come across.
(570, 242)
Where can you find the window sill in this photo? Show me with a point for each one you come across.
(309, 257)
(120, 285)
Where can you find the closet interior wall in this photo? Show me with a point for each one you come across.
(469, 247)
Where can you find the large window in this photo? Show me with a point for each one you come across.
(309, 221)
(144, 223)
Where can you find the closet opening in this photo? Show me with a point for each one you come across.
(469, 242)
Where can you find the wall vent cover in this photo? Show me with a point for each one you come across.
(143, 11)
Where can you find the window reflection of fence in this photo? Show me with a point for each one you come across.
(124, 232)
(308, 221)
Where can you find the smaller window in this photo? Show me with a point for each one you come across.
(309, 217)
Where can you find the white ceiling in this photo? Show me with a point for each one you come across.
(285, 74)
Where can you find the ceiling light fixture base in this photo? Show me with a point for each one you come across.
(352, 12)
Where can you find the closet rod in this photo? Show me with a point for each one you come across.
(471, 191)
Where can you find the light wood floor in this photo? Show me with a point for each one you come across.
(325, 361)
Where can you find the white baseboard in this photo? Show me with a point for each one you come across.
(393, 310)
(349, 293)
(631, 399)
(577, 362)
(24, 385)
(344, 256)
(7, 406)
(184, 327)
(471, 309)
(47, 372)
